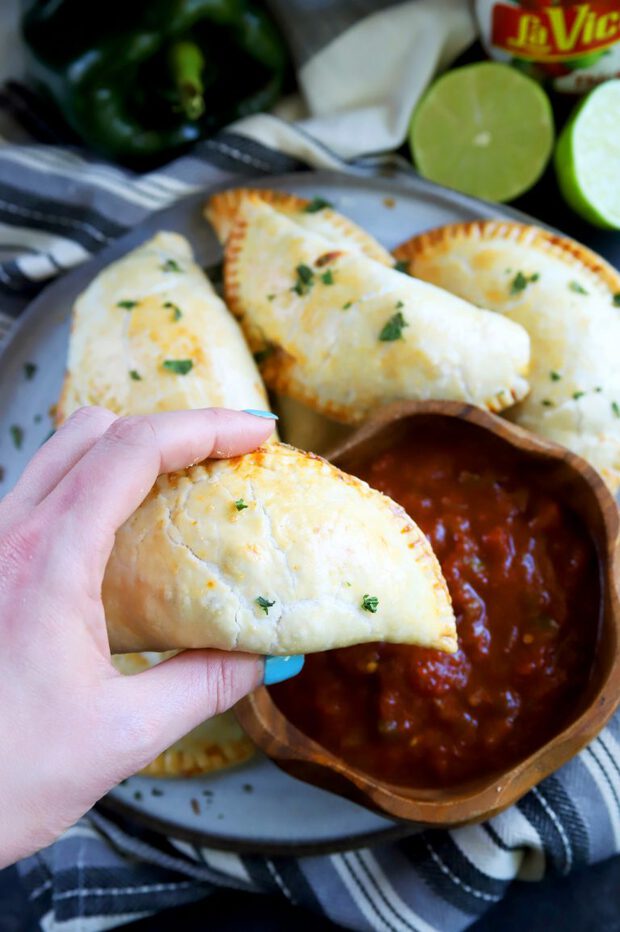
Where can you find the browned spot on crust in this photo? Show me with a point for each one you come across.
(328, 257)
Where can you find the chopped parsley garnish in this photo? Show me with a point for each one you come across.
(578, 395)
(521, 281)
(555, 376)
(38, 418)
(240, 504)
(616, 299)
(316, 204)
(393, 329)
(17, 435)
(127, 305)
(30, 369)
(577, 288)
(345, 307)
(305, 280)
(402, 265)
(171, 265)
(546, 403)
(615, 407)
(178, 366)
(155, 791)
(135, 375)
(327, 277)
(261, 355)
(370, 603)
(399, 304)
(270, 297)
(598, 388)
(264, 603)
(177, 313)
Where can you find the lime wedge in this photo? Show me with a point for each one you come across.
(587, 157)
(485, 129)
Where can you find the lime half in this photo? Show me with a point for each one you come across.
(485, 129)
(587, 157)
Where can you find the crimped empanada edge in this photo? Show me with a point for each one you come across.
(210, 758)
(561, 247)
(221, 210)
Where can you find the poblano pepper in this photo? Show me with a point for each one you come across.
(140, 80)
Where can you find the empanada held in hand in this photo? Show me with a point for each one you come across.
(276, 552)
(345, 334)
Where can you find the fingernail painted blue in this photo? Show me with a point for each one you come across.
(278, 669)
(257, 413)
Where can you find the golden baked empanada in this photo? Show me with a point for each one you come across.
(566, 298)
(345, 334)
(276, 552)
(221, 211)
(299, 425)
(150, 334)
(217, 743)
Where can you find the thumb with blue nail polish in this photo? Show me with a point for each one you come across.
(258, 413)
(278, 669)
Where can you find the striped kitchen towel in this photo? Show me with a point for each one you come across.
(57, 208)
(105, 872)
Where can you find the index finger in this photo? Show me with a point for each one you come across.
(109, 482)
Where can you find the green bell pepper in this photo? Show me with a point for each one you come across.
(141, 80)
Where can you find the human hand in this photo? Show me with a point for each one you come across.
(71, 726)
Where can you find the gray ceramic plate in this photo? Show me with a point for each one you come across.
(255, 807)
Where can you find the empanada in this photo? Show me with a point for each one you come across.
(344, 334)
(150, 334)
(276, 552)
(299, 425)
(222, 209)
(217, 743)
(567, 298)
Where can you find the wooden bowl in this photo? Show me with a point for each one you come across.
(573, 481)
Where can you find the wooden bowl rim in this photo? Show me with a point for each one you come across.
(260, 717)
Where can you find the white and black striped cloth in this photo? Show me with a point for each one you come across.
(56, 209)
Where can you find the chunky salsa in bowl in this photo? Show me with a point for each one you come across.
(522, 572)
(525, 534)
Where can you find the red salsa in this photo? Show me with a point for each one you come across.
(523, 576)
